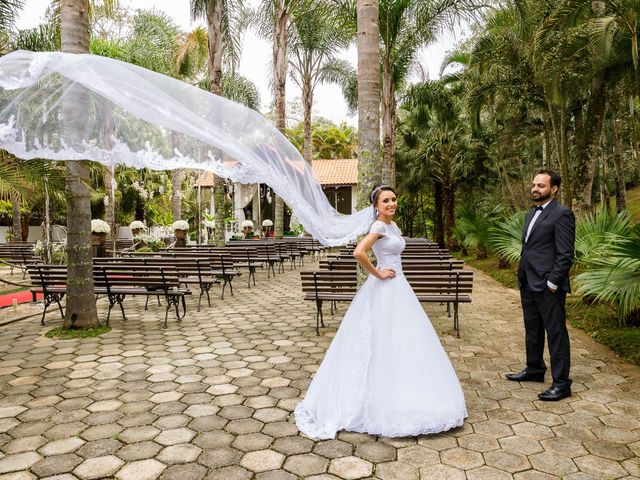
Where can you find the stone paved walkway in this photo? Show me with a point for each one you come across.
(211, 398)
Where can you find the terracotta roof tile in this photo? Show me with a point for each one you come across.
(327, 171)
(336, 171)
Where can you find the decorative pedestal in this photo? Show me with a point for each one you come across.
(98, 244)
(181, 238)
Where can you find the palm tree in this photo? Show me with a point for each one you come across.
(316, 41)
(436, 130)
(81, 306)
(9, 10)
(369, 171)
(223, 29)
(273, 19)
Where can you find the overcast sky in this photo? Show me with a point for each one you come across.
(256, 54)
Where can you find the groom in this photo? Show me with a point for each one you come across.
(543, 278)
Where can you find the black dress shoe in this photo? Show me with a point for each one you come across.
(554, 394)
(525, 376)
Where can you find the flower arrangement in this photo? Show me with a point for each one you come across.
(137, 225)
(209, 224)
(267, 223)
(99, 226)
(247, 224)
(143, 240)
(180, 225)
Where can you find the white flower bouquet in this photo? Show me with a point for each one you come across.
(137, 225)
(209, 224)
(247, 224)
(267, 223)
(179, 225)
(99, 226)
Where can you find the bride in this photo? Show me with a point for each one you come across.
(385, 372)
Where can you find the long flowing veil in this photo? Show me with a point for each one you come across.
(61, 106)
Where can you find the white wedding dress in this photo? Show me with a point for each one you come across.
(385, 372)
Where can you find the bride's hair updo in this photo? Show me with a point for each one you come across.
(379, 188)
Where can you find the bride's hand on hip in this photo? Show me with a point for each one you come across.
(386, 273)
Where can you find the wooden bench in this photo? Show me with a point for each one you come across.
(328, 286)
(190, 270)
(18, 255)
(450, 286)
(116, 281)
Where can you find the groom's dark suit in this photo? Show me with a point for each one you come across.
(547, 255)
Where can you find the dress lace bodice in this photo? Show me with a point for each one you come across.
(389, 246)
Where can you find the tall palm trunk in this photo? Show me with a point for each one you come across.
(369, 165)
(214, 42)
(176, 194)
(618, 160)
(388, 126)
(307, 101)
(280, 74)
(587, 150)
(16, 225)
(438, 220)
(81, 306)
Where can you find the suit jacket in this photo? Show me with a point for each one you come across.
(548, 254)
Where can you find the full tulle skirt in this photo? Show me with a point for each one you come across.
(385, 372)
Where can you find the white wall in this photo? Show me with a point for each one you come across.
(35, 234)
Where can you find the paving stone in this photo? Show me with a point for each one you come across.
(18, 476)
(230, 473)
(24, 444)
(98, 467)
(184, 453)
(333, 449)
(190, 471)
(56, 465)
(139, 451)
(507, 461)
(60, 447)
(215, 439)
(220, 457)
(478, 442)
(375, 452)
(141, 470)
(99, 448)
(552, 463)
(110, 430)
(397, 471)
(600, 467)
(19, 461)
(350, 468)
(442, 472)
(175, 436)
(418, 456)
(306, 464)
(138, 434)
(262, 460)
(253, 441)
(488, 473)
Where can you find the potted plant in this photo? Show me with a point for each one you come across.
(267, 224)
(180, 229)
(99, 230)
(247, 228)
(137, 227)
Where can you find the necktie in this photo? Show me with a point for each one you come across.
(538, 208)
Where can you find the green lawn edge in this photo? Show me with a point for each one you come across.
(62, 333)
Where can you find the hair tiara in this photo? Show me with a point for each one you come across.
(376, 191)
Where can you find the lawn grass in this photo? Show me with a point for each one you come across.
(62, 333)
(599, 321)
(633, 203)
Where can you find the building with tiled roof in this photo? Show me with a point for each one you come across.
(338, 177)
